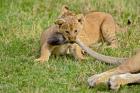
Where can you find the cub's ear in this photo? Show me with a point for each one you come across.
(80, 18)
(59, 22)
(65, 9)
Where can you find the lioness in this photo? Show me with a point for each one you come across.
(89, 28)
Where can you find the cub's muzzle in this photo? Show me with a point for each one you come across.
(57, 39)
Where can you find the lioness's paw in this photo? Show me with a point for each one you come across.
(117, 80)
(93, 80)
(113, 83)
(98, 79)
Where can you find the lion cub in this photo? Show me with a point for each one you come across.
(89, 28)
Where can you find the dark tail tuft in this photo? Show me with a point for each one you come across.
(128, 22)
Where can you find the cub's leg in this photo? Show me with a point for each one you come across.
(108, 28)
(76, 52)
(45, 53)
(117, 80)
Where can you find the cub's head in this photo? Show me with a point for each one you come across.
(69, 24)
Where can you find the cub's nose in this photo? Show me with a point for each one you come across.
(72, 39)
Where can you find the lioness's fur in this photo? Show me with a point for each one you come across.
(89, 28)
(121, 75)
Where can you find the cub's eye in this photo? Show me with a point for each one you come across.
(75, 31)
(67, 32)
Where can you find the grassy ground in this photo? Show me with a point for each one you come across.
(21, 23)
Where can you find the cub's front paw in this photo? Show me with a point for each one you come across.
(41, 60)
(80, 58)
(113, 46)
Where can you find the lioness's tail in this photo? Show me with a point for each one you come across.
(106, 59)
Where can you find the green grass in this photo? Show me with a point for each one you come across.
(21, 23)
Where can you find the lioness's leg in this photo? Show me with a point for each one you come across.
(76, 52)
(104, 77)
(108, 31)
(45, 53)
(117, 80)
(130, 66)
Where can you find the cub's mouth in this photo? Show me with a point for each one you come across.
(71, 42)
(57, 38)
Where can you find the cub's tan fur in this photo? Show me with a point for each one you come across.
(47, 49)
(121, 75)
(89, 28)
